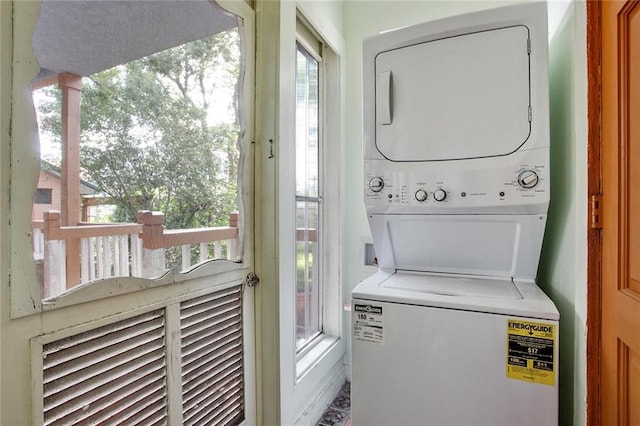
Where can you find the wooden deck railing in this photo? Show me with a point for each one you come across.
(129, 249)
(155, 239)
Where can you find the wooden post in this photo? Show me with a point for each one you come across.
(232, 245)
(54, 271)
(84, 216)
(71, 86)
(153, 260)
(52, 223)
(234, 218)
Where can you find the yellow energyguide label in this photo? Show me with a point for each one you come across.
(531, 351)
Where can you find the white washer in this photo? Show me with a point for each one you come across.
(436, 349)
(453, 329)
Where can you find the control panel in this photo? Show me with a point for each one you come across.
(395, 186)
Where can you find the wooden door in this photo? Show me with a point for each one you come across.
(620, 362)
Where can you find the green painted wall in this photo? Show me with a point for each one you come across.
(562, 272)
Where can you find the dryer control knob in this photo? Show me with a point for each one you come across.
(421, 195)
(439, 194)
(528, 179)
(376, 184)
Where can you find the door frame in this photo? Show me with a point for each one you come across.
(594, 189)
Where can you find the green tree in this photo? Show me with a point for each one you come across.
(149, 140)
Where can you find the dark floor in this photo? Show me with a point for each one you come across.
(339, 411)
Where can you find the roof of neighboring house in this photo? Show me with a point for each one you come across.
(86, 187)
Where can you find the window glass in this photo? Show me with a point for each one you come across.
(43, 196)
(155, 164)
(308, 200)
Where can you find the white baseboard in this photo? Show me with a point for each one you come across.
(327, 390)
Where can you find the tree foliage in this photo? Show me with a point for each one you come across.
(149, 139)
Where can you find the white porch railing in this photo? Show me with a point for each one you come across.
(37, 239)
(130, 249)
(103, 257)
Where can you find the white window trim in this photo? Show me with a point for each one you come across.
(330, 225)
(308, 384)
(305, 40)
(330, 183)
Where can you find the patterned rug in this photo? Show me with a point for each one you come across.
(339, 411)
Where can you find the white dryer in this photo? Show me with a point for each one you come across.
(453, 329)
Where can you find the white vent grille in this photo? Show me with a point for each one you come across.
(111, 375)
(212, 362)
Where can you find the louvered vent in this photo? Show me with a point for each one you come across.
(114, 374)
(212, 363)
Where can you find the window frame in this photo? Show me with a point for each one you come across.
(306, 386)
(329, 225)
(43, 196)
(303, 46)
(26, 298)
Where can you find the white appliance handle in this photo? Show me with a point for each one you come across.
(385, 98)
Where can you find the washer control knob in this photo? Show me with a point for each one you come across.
(439, 194)
(528, 179)
(376, 184)
(421, 195)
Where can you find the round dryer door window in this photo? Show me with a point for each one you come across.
(453, 98)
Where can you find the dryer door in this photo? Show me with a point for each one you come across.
(453, 98)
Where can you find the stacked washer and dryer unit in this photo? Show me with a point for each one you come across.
(452, 329)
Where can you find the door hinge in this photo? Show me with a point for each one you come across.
(252, 280)
(596, 211)
(528, 46)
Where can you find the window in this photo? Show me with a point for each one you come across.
(43, 196)
(311, 317)
(308, 199)
(149, 144)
